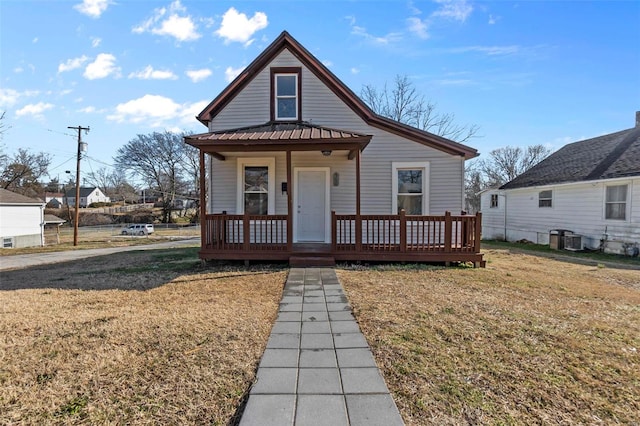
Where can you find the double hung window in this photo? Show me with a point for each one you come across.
(286, 96)
(256, 186)
(545, 198)
(410, 190)
(615, 206)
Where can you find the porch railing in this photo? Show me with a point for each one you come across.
(238, 232)
(399, 233)
(406, 234)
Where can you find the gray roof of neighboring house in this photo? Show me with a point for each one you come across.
(85, 191)
(615, 155)
(9, 197)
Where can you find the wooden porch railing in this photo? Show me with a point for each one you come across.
(402, 233)
(237, 232)
(379, 234)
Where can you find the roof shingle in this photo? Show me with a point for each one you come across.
(605, 157)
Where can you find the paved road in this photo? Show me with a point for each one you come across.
(26, 260)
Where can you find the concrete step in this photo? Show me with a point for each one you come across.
(302, 261)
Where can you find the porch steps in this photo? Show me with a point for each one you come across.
(305, 261)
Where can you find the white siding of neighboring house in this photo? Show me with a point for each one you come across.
(322, 107)
(577, 207)
(492, 217)
(23, 223)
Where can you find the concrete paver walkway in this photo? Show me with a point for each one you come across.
(317, 368)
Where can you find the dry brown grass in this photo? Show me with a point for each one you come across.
(142, 338)
(527, 340)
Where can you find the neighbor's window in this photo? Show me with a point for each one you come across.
(494, 201)
(544, 198)
(286, 96)
(615, 206)
(256, 186)
(410, 188)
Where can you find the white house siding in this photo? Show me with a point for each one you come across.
(492, 217)
(576, 207)
(322, 107)
(22, 223)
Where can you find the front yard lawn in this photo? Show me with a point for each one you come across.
(528, 340)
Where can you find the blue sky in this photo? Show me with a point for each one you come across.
(526, 72)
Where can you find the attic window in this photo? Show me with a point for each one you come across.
(285, 89)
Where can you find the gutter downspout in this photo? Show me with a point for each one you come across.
(42, 225)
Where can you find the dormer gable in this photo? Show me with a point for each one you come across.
(291, 101)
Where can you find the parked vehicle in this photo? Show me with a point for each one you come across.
(138, 229)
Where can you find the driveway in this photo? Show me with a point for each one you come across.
(26, 260)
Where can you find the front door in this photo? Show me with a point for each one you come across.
(311, 204)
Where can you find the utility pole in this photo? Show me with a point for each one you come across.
(82, 146)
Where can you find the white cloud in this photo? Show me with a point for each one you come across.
(87, 110)
(156, 111)
(35, 110)
(102, 67)
(355, 70)
(327, 63)
(198, 75)
(458, 10)
(189, 112)
(92, 8)
(172, 22)
(153, 109)
(150, 74)
(237, 27)
(9, 97)
(231, 73)
(489, 50)
(72, 64)
(35, 40)
(95, 41)
(380, 40)
(18, 69)
(418, 27)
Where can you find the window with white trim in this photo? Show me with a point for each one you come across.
(256, 186)
(545, 198)
(410, 188)
(615, 205)
(286, 96)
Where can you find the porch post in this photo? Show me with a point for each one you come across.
(203, 207)
(448, 230)
(289, 204)
(358, 217)
(478, 234)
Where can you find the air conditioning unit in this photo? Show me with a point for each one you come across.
(573, 242)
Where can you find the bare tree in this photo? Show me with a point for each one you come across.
(403, 103)
(504, 164)
(157, 159)
(21, 172)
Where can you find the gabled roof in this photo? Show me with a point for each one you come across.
(285, 41)
(10, 197)
(616, 155)
(84, 191)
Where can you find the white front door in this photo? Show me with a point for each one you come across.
(311, 204)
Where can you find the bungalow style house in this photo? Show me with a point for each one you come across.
(88, 196)
(296, 167)
(21, 220)
(587, 192)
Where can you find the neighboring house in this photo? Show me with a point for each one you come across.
(591, 188)
(21, 220)
(54, 199)
(88, 196)
(298, 167)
